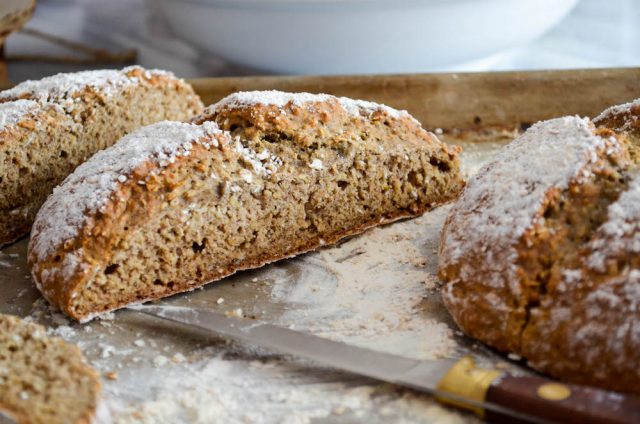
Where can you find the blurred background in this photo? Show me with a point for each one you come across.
(197, 38)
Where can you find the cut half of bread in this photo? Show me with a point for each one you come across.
(43, 380)
(48, 127)
(174, 206)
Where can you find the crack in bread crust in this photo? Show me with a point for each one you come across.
(558, 243)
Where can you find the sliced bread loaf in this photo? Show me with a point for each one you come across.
(43, 380)
(50, 126)
(173, 206)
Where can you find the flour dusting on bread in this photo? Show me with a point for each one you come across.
(52, 125)
(13, 112)
(511, 190)
(540, 254)
(64, 86)
(355, 108)
(613, 111)
(621, 232)
(86, 190)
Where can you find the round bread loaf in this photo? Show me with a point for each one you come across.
(540, 254)
(43, 380)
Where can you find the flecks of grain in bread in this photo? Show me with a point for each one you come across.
(73, 116)
(11, 113)
(90, 186)
(542, 245)
(38, 373)
(316, 164)
(230, 211)
(262, 163)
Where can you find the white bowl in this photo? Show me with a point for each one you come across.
(359, 36)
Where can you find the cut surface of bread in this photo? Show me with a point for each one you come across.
(540, 254)
(174, 206)
(48, 127)
(43, 380)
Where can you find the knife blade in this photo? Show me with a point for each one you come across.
(490, 393)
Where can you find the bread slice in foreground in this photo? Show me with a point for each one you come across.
(50, 126)
(174, 206)
(43, 380)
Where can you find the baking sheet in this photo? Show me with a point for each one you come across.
(378, 290)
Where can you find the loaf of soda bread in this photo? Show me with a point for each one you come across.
(50, 126)
(173, 206)
(540, 254)
(43, 380)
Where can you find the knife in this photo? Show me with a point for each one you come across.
(493, 394)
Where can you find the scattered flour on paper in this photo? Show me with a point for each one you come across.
(369, 291)
(227, 391)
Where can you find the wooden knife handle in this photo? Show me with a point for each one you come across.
(548, 400)
(533, 399)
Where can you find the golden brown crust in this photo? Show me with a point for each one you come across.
(102, 232)
(624, 120)
(247, 114)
